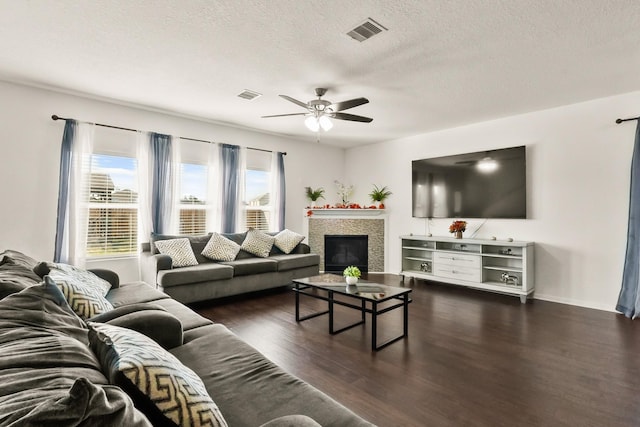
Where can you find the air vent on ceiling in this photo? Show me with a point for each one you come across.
(366, 30)
(249, 94)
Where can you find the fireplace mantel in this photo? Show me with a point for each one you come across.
(370, 222)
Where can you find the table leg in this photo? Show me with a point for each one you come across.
(374, 325)
(363, 310)
(330, 312)
(297, 302)
(405, 308)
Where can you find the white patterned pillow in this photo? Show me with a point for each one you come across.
(85, 301)
(159, 384)
(220, 248)
(78, 277)
(287, 240)
(257, 243)
(179, 250)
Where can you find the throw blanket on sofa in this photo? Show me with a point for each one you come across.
(48, 374)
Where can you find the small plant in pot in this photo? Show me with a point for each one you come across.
(379, 195)
(314, 195)
(352, 273)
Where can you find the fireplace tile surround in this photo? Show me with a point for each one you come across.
(372, 226)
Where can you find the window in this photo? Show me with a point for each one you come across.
(258, 206)
(192, 205)
(113, 206)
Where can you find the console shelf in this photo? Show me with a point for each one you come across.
(492, 265)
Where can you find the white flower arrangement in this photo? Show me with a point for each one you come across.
(344, 191)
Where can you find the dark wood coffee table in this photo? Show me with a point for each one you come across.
(367, 297)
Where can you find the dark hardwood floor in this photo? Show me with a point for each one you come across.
(472, 358)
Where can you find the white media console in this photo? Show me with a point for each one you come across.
(493, 265)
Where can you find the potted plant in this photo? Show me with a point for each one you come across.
(379, 195)
(352, 273)
(314, 195)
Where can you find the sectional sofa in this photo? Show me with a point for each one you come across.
(211, 279)
(57, 368)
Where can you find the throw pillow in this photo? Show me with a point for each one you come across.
(85, 301)
(179, 250)
(163, 388)
(258, 243)
(220, 248)
(287, 240)
(76, 276)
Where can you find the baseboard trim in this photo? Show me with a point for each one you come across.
(584, 304)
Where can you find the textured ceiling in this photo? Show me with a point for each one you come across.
(440, 64)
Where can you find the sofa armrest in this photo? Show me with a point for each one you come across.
(151, 264)
(302, 248)
(148, 319)
(108, 275)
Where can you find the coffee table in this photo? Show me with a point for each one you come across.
(366, 296)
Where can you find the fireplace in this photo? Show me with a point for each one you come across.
(341, 251)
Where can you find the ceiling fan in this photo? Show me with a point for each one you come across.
(319, 111)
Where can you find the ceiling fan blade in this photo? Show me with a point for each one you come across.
(295, 101)
(345, 105)
(351, 117)
(283, 115)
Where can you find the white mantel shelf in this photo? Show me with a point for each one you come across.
(343, 212)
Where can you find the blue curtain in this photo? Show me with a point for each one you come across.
(161, 182)
(282, 190)
(629, 299)
(230, 159)
(63, 189)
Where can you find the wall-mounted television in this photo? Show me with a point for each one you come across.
(484, 184)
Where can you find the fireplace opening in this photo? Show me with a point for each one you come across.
(341, 251)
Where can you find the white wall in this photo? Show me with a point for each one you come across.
(578, 166)
(30, 156)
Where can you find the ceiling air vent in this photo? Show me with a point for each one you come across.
(366, 30)
(249, 94)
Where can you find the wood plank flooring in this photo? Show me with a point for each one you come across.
(471, 359)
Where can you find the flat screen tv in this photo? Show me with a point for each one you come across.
(485, 184)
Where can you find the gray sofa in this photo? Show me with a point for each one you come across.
(211, 279)
(49, 376)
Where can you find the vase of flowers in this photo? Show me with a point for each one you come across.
(351, 274)
(344, 192)
(457, 227)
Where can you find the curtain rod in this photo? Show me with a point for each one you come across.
(618, 121)
(56, 117)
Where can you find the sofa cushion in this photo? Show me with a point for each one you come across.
(197, 243)
(16, 277)
(291, 262)
(258, 243)
(160, 385)
(200, 273)
(219, 248)
(179, 250)
(287, 240)
(248, 266)
(233, 370)
(133, 293)
(85, 301)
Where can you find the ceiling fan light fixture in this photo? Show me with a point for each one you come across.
(312, 123)
(325, 123)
